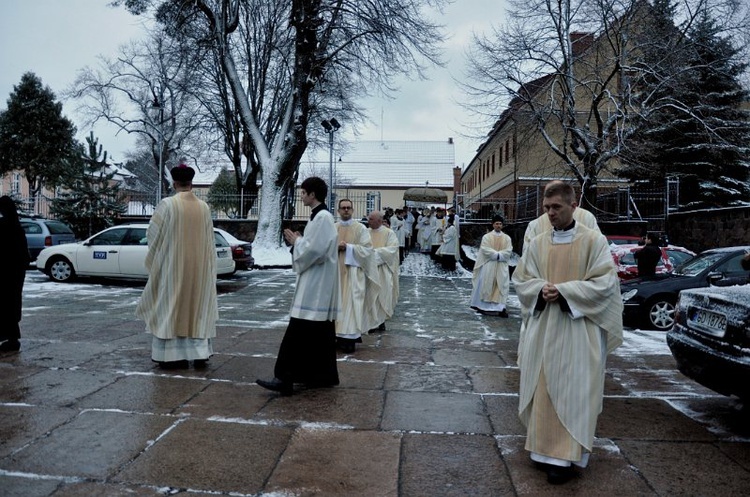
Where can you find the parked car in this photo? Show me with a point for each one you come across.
(242, 251)
(627, 267)
(117, 252)
(710, 339)
(41, 233)
(651, 302)
(622, 239)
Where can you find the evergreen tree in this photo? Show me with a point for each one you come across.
(92, 200)
(223, 195)
(693, 127)
(35, 137)
(711, 150)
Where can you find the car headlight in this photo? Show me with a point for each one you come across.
(629, 295)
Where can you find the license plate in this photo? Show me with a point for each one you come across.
(223, 254)
(711, 323)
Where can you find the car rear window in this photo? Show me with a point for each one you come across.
(58, 228)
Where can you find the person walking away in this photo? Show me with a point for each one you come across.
(179, 302)
(357, 271)
(307, 353)
(648, 257)
(567, 284)
(385, 247)
(449, 251)
(14, 257)
(490, 280)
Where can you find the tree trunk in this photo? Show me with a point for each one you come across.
(268, 234)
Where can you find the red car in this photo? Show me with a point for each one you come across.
(627, 267)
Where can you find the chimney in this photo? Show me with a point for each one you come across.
(450, 140)
(580, 42)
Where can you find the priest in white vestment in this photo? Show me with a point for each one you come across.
(179, 303)
(490, 280)
(399, 227)
(307, 353)
(424, 231)
(567, 285)
(357, 273)
(438, 224)
(385, 248)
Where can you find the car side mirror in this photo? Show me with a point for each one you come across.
(714, 277)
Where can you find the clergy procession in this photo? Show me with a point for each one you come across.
(347, 286)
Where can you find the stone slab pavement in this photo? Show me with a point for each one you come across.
(426, 408)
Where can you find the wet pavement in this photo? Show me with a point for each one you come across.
(426, 408)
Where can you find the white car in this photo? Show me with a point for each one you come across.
(117, 252)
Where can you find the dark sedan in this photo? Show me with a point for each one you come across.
(711, 338)
(650, 302)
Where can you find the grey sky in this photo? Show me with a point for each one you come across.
(56, 38)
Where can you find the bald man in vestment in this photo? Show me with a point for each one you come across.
(385, 246)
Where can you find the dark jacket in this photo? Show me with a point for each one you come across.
(14, 260)
(647, 258)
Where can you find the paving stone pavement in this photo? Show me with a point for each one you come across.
(426, 408)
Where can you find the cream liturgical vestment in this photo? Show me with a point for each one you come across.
(179, 300)
(563, 346)
(357, 272)
(385, 247)
(491, 281)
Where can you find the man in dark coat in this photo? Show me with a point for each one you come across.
(14, 259)
(648, 257)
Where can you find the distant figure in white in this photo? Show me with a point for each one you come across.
(491, 280)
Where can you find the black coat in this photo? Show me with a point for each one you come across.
(14, 260)
(648, 257)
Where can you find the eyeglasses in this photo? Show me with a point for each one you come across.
(345, 208)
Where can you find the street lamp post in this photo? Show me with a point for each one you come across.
(158, 105)
(331, 126)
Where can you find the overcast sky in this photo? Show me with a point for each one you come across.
(56, 38)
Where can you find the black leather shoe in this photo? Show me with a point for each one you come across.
(276, 385)
(10, 346)
(173, 364)
(503, 314)
(200, 363)
(557, 475)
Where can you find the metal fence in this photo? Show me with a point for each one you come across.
(634, 202)
(223, 207)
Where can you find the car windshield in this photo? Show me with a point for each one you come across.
(699, 263)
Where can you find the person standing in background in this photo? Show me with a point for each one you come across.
(14, 258)
(385, 248)
(449, 251)
(179, 302)
(648, 257)
(409, 221)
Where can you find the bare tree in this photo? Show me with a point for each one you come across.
(571, 71)
(324, 55)
(142, 92)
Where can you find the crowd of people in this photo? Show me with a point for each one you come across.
(347, 285)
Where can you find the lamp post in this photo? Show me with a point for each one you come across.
(331, 126)
(157, 105)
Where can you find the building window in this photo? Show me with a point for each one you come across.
(373, 201)
(500, 158)
(507, 150)
(493, 163)
(15, 184)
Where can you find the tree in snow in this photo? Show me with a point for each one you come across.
(90, 199)
(701, 133)
(324, 54)
(568, 70)
(35, 137)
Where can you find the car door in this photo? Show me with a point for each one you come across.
(133, 254)
(729, 271)
(100, 255)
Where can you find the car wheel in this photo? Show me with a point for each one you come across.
(61, 270)
(661, 314)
